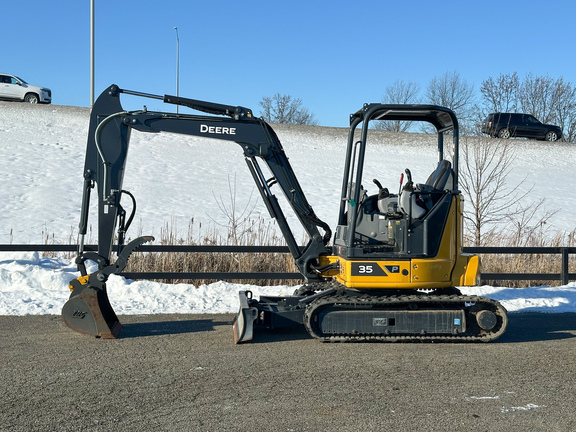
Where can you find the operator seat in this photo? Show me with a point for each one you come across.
(439, 178)
(420, 198)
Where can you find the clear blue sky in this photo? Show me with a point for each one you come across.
(334, 55)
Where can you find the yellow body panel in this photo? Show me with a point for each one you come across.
(471, 277)
(450, 267)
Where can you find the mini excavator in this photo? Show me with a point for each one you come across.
(395, 262)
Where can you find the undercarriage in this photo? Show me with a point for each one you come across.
(338, 314)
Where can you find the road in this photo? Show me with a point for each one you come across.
(183, 372)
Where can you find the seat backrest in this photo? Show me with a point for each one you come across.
(439, 178)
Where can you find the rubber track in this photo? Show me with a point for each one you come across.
(448, 301)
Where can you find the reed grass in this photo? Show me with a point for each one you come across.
(244, 230)
(258, 232)
(526, 263)
(250, 232)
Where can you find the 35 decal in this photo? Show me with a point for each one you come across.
(373, 269)
(367, 269)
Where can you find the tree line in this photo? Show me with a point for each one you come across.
(550, 100)
(285, 109)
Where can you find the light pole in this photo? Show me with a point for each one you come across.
(177, 65)
(91, 53)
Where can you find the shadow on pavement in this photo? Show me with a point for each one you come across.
(522, 327)
(262, 335)
(535, 326)
(134, 330)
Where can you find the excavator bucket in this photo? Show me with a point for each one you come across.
(88, 310)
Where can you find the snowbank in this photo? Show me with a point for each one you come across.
(32, 285)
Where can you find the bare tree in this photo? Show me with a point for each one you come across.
(501, 94)
(564, 97)
(549, 100)
(552, 101)
(483, 173)
(451, 91)
(401, 92)
(498, 209)
(284, 109)
(536, 97)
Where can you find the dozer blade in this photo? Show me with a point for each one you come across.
(88, 310)
(243, 325)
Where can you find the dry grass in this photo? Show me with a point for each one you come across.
(526, 263)
(250, 232)
(246, 231)
(257, 232)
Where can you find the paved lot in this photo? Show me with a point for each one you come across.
(183, 372)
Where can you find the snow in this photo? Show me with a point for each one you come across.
(180, 179)
(31, 284)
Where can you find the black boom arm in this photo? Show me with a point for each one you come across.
(108, 141)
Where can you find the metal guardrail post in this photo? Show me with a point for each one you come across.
(565, 260)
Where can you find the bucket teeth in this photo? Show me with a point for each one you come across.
(122, 259)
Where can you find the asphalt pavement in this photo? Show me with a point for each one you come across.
(184, 373)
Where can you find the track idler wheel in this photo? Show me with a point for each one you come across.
(486, 320)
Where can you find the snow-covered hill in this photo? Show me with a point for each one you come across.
(177, 179)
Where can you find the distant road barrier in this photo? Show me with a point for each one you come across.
(564, 276)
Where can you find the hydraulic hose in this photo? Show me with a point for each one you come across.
(97, 134)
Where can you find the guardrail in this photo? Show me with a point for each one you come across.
(564, 276)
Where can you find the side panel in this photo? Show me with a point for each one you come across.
(374, 274)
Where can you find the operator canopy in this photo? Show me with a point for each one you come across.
(442, 118)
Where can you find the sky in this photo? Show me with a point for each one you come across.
(333, 55)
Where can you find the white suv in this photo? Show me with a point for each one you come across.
(14, 88)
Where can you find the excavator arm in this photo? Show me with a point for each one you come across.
(106, 154)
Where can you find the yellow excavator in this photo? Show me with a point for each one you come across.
(394, 263)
